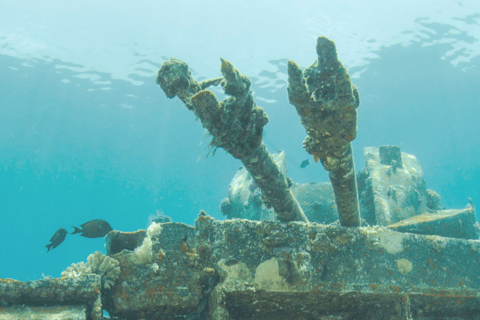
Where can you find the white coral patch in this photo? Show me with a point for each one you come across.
(97, 263)
(143, 254)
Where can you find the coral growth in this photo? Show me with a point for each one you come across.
(97, 263)
(143, 254)
(159, 217)
(433, 200)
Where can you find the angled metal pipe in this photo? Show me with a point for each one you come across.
(236, 125)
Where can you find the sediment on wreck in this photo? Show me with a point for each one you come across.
(236, 125)
(326, 101)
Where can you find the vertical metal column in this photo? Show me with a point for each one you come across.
(326, 101)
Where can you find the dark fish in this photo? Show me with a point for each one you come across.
(282, 248)
(305, 163)
(231, 262)
(57, 238)
(94, 229)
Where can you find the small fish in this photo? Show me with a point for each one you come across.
(282, 248)
(305, 163)
(57, 239)
(93, 229)
(231, 262)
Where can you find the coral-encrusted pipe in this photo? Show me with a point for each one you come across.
(236, 125)
(274, 185)
(326, 101)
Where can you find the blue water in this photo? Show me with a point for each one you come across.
(85, 133)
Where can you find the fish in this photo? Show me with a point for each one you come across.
(231, 262)
(93, 229)
(57, 239)
(305, 163)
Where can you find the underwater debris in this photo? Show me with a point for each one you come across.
(236, 125)
(51, 298)
(453, 223)
(388, 198)
(326, 101)
(57, 238)
(93, 229)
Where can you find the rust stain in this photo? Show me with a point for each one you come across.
(373, 286)
(430, 262)
(396, 288)
(183, 247)
(161, 255)
(151, 292)
(209, 271)
(458, 302)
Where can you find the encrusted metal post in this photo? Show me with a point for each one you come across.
(326, 101)
(236, 125)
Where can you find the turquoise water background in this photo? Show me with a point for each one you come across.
(85, 133)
